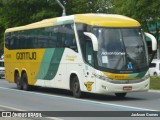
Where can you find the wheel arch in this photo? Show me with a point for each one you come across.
(72, 75)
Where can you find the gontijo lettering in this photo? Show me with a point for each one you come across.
(26, 56)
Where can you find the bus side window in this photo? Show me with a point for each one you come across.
(153, 65)
(7, 37)
(70, 40)
(53, 37)
(61, 37)
(89, 52)
(11, 42)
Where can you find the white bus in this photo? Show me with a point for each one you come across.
(95, 53)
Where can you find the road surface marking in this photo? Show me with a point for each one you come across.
(11, 108)
(97, 103)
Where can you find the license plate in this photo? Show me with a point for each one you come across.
(127, 88)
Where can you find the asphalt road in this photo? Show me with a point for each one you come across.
(47, 99)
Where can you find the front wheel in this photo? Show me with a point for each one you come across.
(120, 95)
(76, 88)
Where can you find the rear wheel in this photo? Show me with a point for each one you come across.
(18, 81)
(120, 95)
(25, 82)
(76, 88)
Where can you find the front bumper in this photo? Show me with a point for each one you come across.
(104, 87)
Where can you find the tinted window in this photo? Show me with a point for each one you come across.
(1, 64)
(67, 37)
(89, 52)
(86, 44)
(49, 37)
(36, 38)
(7, 39)
(153, 65)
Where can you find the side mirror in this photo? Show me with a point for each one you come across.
(153, 40)
(154, 46)
(93, 39)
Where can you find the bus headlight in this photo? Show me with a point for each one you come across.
(105, 78)
(102, 77)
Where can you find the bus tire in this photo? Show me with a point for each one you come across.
(18, 81)
(76, 88)
(120, 95)
(25, 82)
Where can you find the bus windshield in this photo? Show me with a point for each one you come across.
(121, 48)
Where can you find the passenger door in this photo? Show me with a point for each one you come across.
(89, 66)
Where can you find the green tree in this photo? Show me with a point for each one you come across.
(21, 12)
(86, 6)
(15, 13)
(145, 11)
(1, 26)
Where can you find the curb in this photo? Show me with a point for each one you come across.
(157, 91)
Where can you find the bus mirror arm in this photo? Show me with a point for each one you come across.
(153, 40)
(154, 46)
(94, 40)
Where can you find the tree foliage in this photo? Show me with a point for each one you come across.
(145, 11)
(21, 12)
